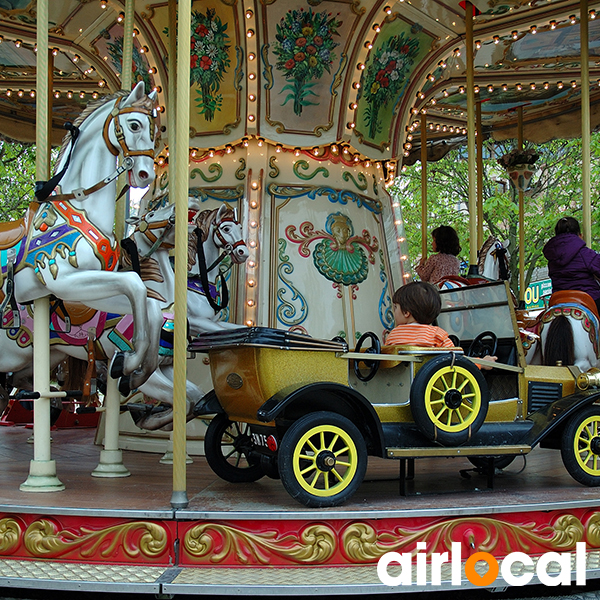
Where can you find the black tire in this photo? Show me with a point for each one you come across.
(229, 451)
(449, 399)
(322, 459)
(500, 462)
(580, 446)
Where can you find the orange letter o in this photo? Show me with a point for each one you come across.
(473, 576)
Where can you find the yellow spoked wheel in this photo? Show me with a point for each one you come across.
(580, 448)
(322, 459)
(449, 399)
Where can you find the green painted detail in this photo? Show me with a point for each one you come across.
(239, 174)
(274, 172)
(303, 164)
(361, 184)
(163, 182)
(226, 194)
(214, 168)
(375, 186)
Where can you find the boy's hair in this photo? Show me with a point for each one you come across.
(446, 240)
(567, 225)
(421, 299)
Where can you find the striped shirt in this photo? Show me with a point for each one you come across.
(419, 334)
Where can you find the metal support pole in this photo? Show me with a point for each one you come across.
(471, 139)
(423, 186)
(479, 140)
(180, 187)
(585, 124)
(172, 86)
(122, 211)
(42, 469)
(521, 222)
(111, 458)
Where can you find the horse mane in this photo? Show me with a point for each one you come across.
(203, 220)
(149, 271)
(483, 252)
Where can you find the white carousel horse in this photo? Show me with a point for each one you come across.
(65, 245)
(567, 332)
(221, 235)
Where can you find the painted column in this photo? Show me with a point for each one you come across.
(479, 177)
(521, 222)
(585, 124)
(179, 186)
(42, 470)
(471, 139)
(423, 186)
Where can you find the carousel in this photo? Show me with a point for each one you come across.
(216, 243)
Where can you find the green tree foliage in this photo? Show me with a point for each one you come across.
(17, 178)
(555, 190)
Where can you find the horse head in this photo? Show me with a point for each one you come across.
(494, 259)
(155, 229)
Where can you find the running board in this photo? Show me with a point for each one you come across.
(458, 451)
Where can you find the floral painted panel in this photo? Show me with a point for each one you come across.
(215, 64)
(110, 45)
(396, 53)
(304, 61)
(331, 271)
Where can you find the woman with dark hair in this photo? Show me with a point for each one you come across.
(445, 263)
(571, 264)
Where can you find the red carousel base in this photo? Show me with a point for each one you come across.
(122, 535)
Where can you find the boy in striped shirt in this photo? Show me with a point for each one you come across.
(416, 306)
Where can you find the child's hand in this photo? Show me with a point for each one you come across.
(490, 358)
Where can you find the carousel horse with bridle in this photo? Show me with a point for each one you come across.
(65, 247)
(217, 235)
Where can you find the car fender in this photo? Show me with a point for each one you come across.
(553, 415)
(208, 405)
(298, 400)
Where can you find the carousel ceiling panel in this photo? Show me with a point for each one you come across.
(313, 72)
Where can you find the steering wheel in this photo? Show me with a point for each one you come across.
(480, 348)
(372, 365)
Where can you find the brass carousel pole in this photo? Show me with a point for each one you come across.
(423, 186)
(479, 140)
(521, 221)
(126, 82)
(42, 470)
(471, 140)
(180, 188)
(585, 123)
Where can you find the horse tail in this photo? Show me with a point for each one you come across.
(559, 343)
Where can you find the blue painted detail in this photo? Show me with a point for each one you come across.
(295, 310)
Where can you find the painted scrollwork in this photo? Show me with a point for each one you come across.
(213, 168)
(592, 530)
(361, 184)
(386, 314)
(10, 535)
(274, 172)
(304, 166)
(361, 542)
(293, 311)
(44, 539)
(216, 543)
(239, 174)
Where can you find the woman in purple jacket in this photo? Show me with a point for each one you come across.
(571, 264)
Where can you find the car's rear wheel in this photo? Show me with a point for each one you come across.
(580, 447)
(449, 399)
(322, 459)
(229, 451)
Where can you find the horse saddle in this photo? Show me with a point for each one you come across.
(11, 232)
(78, 313)
(574, 297)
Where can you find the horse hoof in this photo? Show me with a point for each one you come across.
(125, 385)
(117, 365)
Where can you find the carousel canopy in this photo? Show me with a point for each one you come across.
(314, 73)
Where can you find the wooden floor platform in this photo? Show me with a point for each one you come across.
(122, 534)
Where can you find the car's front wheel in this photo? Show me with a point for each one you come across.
(322, 459)
(580, 447)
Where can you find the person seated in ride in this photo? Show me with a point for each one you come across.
(571, 264)
(444, 241)
(416, 306)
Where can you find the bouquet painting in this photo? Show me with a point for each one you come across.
(386, 76)
(209, 60)
(304, 48)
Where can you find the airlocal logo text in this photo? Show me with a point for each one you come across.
(562, 577)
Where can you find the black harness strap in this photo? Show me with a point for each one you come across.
(44, 188)
(204, 277)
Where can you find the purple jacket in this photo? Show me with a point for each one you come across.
(572, 265)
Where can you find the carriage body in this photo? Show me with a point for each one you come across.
(303, 408)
